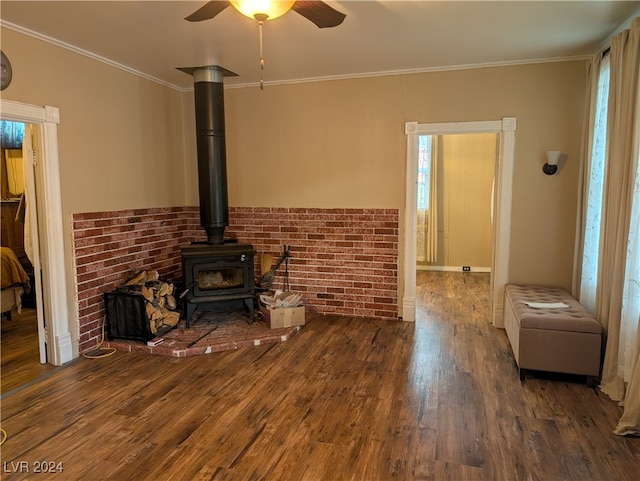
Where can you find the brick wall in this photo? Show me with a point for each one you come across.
(110, 246)
(343, 261)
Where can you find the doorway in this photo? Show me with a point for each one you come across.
(454, 200)
(505, 129)
(53, 271)
(23, 338)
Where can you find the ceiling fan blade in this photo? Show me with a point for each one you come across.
(319, 13)
(209, 10)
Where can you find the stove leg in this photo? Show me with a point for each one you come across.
(248, 303)
(189, 314)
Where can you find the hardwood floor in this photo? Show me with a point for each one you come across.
(20, 351)
(344, 399)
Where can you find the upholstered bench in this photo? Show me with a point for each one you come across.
(546, 338)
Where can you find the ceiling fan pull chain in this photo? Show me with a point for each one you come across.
(260, 22)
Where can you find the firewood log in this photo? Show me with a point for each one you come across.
(171, 319)
(150, 309)
(154, 285)
(266, 260)
(139, 278)
(157, 314)
(147, 293)
(171, 302)
(164, 289)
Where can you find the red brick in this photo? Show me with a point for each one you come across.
(351, 254)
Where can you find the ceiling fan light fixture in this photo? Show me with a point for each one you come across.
(262, 9)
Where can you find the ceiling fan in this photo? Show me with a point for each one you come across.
(321, 14)
(317, 12)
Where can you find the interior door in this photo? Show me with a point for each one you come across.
(32, 246)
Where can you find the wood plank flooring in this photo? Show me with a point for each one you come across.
(345, 399)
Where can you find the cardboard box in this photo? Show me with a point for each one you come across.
(283, 317)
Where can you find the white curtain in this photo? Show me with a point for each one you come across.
(609, 274)
(631, 293)
(615, 301)
(421, 247)
(432, 231)
(629, 345)
(594, 179)
(629, 348)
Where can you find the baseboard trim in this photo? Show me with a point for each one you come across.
(451, 268)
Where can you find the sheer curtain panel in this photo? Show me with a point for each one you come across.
(629, 346)
(592, 174)
(613, 239)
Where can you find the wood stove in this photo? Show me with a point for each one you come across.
(219, 271)
(217, 276)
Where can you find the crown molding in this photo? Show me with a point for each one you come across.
(447, 68)
(86, 53)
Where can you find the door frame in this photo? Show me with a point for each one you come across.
(506, 128)
(50, 223)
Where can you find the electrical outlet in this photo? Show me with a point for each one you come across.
(466, 268)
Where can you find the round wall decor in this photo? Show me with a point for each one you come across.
(6, 72)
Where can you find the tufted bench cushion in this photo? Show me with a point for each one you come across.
(565, 339)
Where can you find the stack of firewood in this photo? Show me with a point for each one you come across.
(161, 303)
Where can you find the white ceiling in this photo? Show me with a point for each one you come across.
(152, 37)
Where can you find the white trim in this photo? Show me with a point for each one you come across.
(19, 112)
(502, 228)
(445, 128)
(386, 73)
(51, 225)
(410, 228)
(408, 309)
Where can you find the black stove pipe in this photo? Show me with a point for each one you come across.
(211, 148)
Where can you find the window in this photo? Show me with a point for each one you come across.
(595, 192)
(424, 171)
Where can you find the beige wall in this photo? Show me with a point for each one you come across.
(120, 136)
(342, 144)
(321, 144)
(325, 144)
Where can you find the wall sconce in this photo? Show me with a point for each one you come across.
(551, 166)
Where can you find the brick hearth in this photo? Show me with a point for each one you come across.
(212, 332)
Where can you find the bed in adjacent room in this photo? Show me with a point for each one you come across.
(15, 282)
